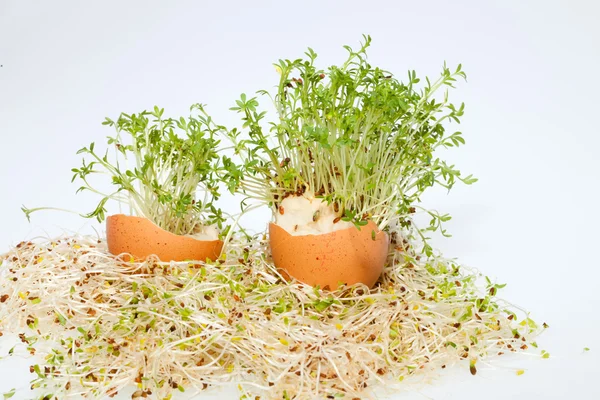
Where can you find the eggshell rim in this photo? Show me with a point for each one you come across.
(379, 231)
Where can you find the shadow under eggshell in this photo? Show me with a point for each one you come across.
(346, 256)
(141, 238)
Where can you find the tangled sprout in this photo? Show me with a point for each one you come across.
(101, 323)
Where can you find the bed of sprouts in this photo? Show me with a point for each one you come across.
(157, 166)
(98, 324)
(353, 135)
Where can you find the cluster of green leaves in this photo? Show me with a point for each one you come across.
(353, 135)
(174, 160)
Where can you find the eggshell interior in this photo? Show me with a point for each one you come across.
(346, 256)
(140, 237)
(296, 215)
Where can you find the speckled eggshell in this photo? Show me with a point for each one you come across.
(346, 256)
(140, 237)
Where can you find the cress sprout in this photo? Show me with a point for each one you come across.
(172, 160)
(353, 135)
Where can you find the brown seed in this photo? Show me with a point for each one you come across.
(473, 369)
(3, 298)
(281, 210)
(336, 220)
(316, 216)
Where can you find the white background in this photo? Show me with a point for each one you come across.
(531, 126)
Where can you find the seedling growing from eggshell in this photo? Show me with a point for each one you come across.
(351, 147)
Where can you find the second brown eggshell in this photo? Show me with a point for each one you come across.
(346, 256)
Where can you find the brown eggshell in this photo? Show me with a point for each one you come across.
(346, 256)
(140, 237)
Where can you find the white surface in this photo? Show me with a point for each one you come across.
(530, 124)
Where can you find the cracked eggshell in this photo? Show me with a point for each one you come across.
(140, 237)
(346, 256)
